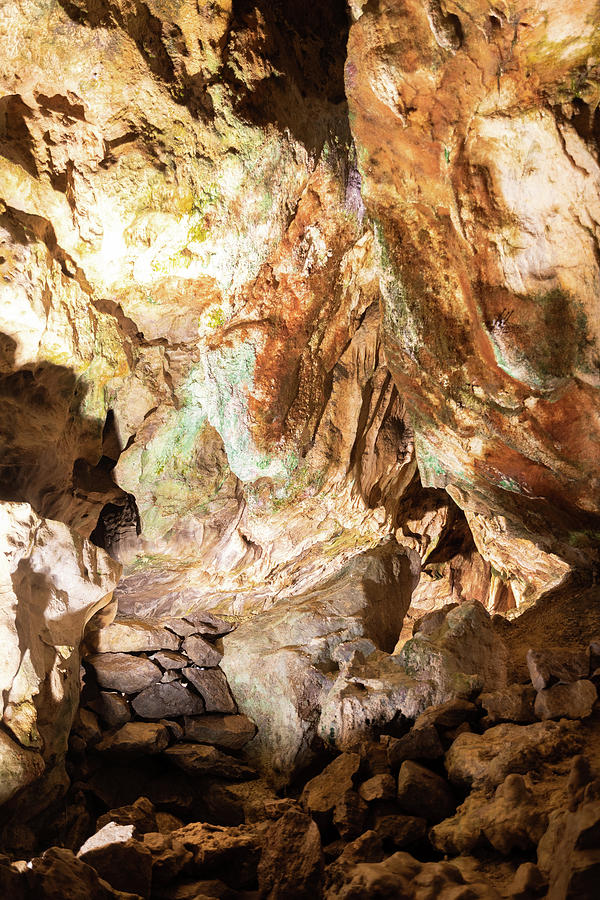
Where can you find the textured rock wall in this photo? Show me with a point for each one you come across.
(191, 281)
(53, 583)
(476, 133)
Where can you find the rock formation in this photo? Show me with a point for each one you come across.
(299, 442)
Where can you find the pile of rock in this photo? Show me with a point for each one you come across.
(153, 682)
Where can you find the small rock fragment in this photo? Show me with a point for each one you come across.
(511, 704)
(140, 814)
(322, 792)
(448, 715)
(419, 743)
(350, 815)
(169, 659)
(291, 864)
(130, 635)
(400, 831)
(199, 759)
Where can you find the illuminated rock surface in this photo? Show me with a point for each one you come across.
(299, 322)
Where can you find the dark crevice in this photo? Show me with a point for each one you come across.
(302, 49)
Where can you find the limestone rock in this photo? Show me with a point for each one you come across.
(229, 732)
(512, 704)
(505, 352)
(124, 672)
(484, 760)
(420, 743)
(136, 738)
(112, 708)
(570, 701)
(322, 793)
(453, 661)
(350, 815)
(399, 831)
(528, 882)
(568, 855)
(129, 635)
(19, 766)
(200, 651)
(274, 663)
(549, 666)
(465, 644)
(169, 660)
(140, 814)
(162, 700)
(59, 874)
(212, 685)
(228, 853)
(424, 794)
(513, 820)
(204, 622)
(447, 715)
(380, 787)
(291, 863)
(119, 859)
(198, 759)
(401, 875)
(52, 583)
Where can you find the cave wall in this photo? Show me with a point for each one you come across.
(290, 282)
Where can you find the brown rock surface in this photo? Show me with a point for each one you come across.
(227, 731)
(569, 701)
(424, 794)
(482, 760)
(137, 738)
(291, 863)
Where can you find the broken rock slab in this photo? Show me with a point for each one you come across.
(136, 737)
(162, 700)
(423, 793)
(200, 651)
(549, 666)
(291, 864)
(569, 701)
(113, 709)
(230, 732)
(511, 704)
(324, 791)
(124, 672)
(212, 685)
(130, 635)
(59, 874)
(200, 759)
